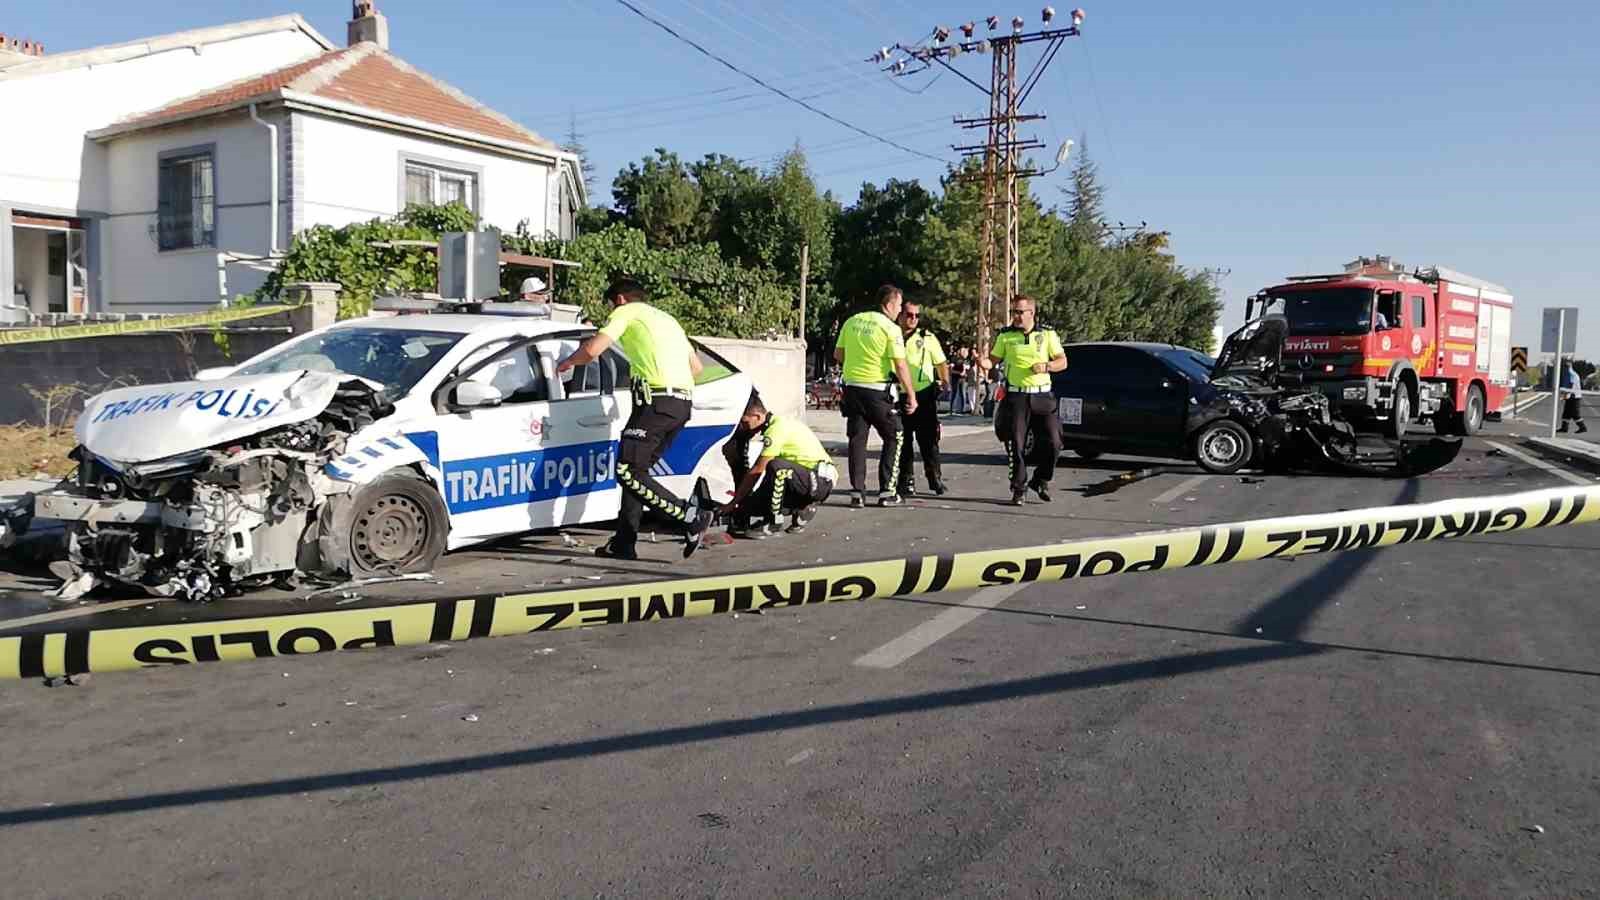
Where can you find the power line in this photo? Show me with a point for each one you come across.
(784, 94)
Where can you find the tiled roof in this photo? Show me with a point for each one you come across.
(364, 76)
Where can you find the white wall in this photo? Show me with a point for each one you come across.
(54, 167)
(134, 271)
(777, 368)
(347, 172)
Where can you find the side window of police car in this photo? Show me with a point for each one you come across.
(596, 379)
(515, 372)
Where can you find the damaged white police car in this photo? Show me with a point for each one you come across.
(369, 447)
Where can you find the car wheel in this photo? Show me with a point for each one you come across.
(1399, 413)
(1223, 447)
(393, 526)
(1472, 416)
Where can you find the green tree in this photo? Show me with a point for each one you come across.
(879, 239)
(659, 196)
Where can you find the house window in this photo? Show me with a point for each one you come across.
(431, 185)
(187, 203)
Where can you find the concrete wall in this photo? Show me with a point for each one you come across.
(95, 363)
(778, 369)
(346, 172)
(136, 274)
(55, 168)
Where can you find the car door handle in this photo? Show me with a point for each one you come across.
(595, 421)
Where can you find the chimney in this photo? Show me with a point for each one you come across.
(367, 25)
(15, 51)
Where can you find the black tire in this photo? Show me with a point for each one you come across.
(1399, 413)
(1223, 447)
(1472, 415)
(396, 525)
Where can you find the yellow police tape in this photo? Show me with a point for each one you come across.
(9, 336)
(106, 649)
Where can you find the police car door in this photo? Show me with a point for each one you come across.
(589, 407)
(502, 472)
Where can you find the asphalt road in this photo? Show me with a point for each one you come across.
(1411, 721)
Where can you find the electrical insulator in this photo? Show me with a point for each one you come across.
(1016, 25)
(1048, 13)
(994, 22)
(1077, 17)
(940, 34)
(966, 30)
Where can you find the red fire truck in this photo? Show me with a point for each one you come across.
(1390, 347)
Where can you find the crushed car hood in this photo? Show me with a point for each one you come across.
(1255, 351)
(151, 422)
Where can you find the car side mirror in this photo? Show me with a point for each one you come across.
(476, 395)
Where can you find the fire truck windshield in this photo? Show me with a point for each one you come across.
(1327, 311)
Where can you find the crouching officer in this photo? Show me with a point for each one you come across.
(873, 353)
(664, 367)
(930, 371)
(792, 474)
(1030, 353)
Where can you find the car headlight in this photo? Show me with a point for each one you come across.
(1355, 393)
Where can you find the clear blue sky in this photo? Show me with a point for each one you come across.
(1270, 138)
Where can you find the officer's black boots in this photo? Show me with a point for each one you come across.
(1042, 489)
(938, 487)
(610, 550)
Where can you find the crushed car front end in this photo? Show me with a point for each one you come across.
(199, 489)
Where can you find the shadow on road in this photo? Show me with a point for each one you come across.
(1287, 614)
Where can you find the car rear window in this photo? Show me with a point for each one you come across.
(712, 366)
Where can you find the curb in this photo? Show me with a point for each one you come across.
(1563, 451)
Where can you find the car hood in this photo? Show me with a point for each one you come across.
(1255, 351)
(151, 422)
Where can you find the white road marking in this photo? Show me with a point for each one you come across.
(77, 611)
(943, 625)
(1183, 487)
(1536, 461)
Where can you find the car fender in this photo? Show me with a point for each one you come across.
(372, 452)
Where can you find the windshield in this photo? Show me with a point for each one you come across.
(1192, 363)
(1330, 311)
(392, 357)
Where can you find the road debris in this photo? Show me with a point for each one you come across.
(470, 717)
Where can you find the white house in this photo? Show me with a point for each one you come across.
(164, 174)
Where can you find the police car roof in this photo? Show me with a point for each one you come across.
(463, 323)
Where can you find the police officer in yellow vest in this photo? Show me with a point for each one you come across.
(792, 475)
(1030, 353)
(930, 371)
(664, 366)
(873, 353)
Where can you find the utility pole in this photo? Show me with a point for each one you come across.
(805, 275)
(1000, 264)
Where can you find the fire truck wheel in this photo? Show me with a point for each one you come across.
(1399, 414)
(1472, 416)
(1223, 447)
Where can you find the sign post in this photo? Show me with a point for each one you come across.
(1560, 335)
(1519, 365)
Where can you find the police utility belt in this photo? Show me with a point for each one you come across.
(887, 387)
(1029, 390)
(644, 393)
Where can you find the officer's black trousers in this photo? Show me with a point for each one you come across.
(868, 409)
(649, 432)
(924, 426)
(1038, 412)
(785, 487)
